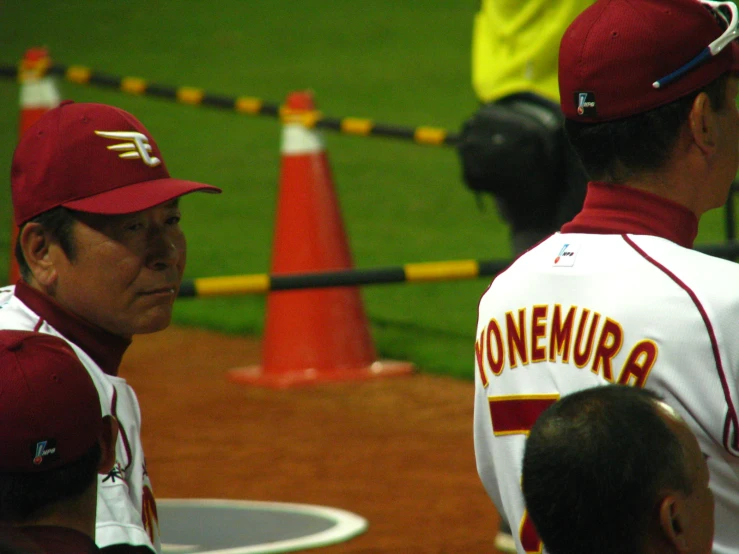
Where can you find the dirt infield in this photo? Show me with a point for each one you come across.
(397, 451)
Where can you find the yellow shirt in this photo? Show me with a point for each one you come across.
(515, 46)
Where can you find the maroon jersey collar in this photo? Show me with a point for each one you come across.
(618, 209)
(105, 348)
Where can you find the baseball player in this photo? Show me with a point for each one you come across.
(55, 441)
(648, 89)
(513, 146)
(101, 255)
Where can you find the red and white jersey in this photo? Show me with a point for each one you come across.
(617, 297)
(126, 509)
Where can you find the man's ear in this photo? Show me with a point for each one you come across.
(107, 441)
(672, 522)
(703, 124)
(36, 243)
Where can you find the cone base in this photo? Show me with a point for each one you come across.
(255, 375)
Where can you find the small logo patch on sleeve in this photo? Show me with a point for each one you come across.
(566, 256)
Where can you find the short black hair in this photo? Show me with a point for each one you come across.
(594, 465)
(615, 151)
(58, 222)
(25, 496)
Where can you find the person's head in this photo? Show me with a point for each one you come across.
(98, 217)
(633, 102)
(613, 469)
(54, 438)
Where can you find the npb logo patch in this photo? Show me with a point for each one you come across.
(44, 449)
(566, 256)
(585, 103)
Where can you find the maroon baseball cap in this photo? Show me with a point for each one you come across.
(92, 158)
(49, 407)
(613, 53)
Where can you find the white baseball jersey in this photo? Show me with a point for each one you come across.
(126, 509)
(617, 297)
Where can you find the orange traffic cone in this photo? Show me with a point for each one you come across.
(38, 94)
(317, 335)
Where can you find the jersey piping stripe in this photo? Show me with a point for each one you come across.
(714, 344)
(121, 430)
(38, 325)
(727, 427)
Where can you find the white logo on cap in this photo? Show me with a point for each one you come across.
(139, 148)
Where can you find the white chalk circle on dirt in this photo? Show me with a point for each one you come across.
(213, 526)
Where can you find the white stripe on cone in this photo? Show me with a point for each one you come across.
(41, 93)
(297, 140)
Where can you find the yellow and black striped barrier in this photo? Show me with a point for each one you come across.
(249, 105)
(261, 283)
(412, 273)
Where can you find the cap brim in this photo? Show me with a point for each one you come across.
(137, 197)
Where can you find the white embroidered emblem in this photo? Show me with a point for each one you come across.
(137, 148)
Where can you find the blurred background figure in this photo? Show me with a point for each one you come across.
(614, 469)
(55, 441)
(514, 147)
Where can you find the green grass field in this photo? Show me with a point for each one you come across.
(402, 63)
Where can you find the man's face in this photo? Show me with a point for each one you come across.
(699, 505)
(126, 271)
(700, 501)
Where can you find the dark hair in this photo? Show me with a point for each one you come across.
(25, 496)
(615, 151)
(58, 222)
(594, 465)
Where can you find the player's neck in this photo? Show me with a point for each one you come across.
(77, 513)
(677, 179)
(675, 186)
